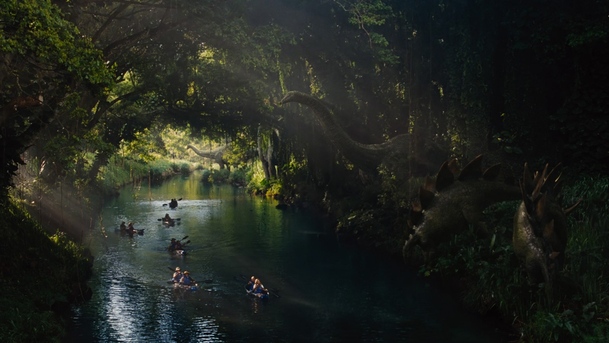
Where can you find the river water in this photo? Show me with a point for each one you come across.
(322, 290)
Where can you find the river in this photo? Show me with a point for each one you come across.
(321, 290)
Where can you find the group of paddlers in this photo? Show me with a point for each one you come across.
(182, 278)
(128, 229)
(175, 245)
(253, 287)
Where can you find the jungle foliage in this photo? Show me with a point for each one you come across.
(97, 92)
(41, 275)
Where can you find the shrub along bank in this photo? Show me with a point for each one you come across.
(41, 275)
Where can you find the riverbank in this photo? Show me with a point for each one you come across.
(44, 269)
(42, 275)
(484, 274)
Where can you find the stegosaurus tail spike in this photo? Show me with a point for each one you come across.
(473, 170)
(558, 186)
(539, 181)
(552, 172)
(553, 184)
(526, 199)
(570, 209)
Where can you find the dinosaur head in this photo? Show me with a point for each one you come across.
(294, 96)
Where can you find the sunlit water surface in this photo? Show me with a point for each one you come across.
(324, 291)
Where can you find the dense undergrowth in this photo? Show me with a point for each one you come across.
(485, 273)
(41, 275)
(492, 281)
(123, 171)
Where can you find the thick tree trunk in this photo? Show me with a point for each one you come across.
(262, 156)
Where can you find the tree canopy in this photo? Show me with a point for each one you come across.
(519, 80)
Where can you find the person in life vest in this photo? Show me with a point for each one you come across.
(174, 245)
(123, 227)
(177, 275)
(259, 289)
(186, 279)
(130, 229)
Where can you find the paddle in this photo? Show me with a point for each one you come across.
(176, 219)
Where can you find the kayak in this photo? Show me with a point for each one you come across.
(261, 296)
(130, 233)
(184, 287)
(187, 287)
(169, 222)
(180, 252)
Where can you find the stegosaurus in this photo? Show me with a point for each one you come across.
(540, 227)
(453, 200)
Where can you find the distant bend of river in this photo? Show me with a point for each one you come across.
(321, 290)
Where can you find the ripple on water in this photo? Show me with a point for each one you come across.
(328, 292)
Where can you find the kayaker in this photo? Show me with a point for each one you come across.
(259, 288)
(172, 245)
(130, 229)
(173, 203)
(175, 245)
(177, 275)
(250, 284)
(123, 227)
(186, 279)
(167, 218)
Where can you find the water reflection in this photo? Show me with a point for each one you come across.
(324, 292)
